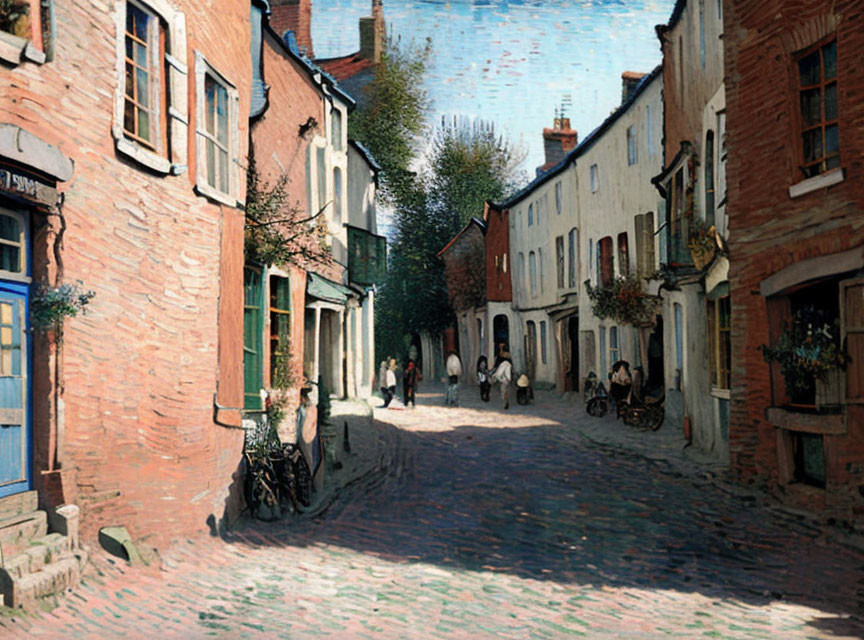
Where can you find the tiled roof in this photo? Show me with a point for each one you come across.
(346, 66)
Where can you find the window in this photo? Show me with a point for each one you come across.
(808, 455)
(538, 207)
(631, 145)
(679, 337)
(591, 261)
(709, 178)
(336, 129)
(614, 348)
(543, 341)
(532, 269)
(603, 369)
(253, 328)
(559, 260)
(702, 32)
(606, 266)
(27, 23)
(649, 130)
(13, 244)
(150, 102)
(280, 332)
(140, 118)
(321, 173)
(598, 264)
(337, 194)
(623, 255)
(504, 262)
(719, 341)
(645, 244)
(520, 275)
(217, 134)
(530, 214)
(595, 178)
(540, 267)
(817, 76)
(558, 202)
(572, 243)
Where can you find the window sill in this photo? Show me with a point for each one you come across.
(204, 189)
(820, 423)
(14, 49)
(143, 156)
(817, 182)
(723, 394)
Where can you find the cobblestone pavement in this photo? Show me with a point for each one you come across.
(479, 523)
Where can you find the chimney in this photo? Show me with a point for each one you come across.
(629, 81)
(296, 16)
(558, 141)
(372, 33)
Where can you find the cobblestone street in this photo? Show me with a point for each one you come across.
(479, 523)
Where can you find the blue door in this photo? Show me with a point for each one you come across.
(15, 431)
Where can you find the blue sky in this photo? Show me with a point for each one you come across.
(514, 62)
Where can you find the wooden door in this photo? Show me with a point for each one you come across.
(14, 382)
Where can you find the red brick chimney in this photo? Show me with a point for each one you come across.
(558, 141)
(629, 81)
(296, 16)
(373, 32)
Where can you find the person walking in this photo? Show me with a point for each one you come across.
(454, 370)
(483, 378)
(390, 379)
(412, 375)
(503, 375)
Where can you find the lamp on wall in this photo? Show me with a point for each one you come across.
(307, 126)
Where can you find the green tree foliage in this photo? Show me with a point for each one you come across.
(393, 117)
(463, 164)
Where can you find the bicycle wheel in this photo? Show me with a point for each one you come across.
(659, 415)
(597, 407)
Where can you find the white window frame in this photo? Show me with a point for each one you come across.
(175, 159)
(594, 172)
(23, 243)
(203, 69)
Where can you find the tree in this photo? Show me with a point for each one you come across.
(393, 116)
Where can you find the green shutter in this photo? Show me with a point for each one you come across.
(253, 328)
(367, 257)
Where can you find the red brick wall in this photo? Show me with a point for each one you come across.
(293, 98)
(498, 283)
(768, 229)
(463, 269)
(296, 16)
(140, 369)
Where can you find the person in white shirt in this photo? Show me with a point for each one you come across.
(454, 370)
(503, 375)
(390, 380)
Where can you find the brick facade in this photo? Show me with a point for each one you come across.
(770, 231)
(128, 431)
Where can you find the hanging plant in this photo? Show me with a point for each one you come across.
(624, 301)
(807, 350)
(49, 306)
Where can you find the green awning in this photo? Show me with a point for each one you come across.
(323, 289)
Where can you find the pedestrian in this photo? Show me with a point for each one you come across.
(390, 380)
(412, 375)
(454, 370)
(382, 378)
(503, 375)
(483, 378)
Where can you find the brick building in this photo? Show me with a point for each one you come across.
(123, 132)
(796, 199)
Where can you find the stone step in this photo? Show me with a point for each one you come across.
(41, 552)
(19, 503)
(54, 578)
(17, 531)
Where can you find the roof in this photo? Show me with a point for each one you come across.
(673, 19)
(346, 66)
(320, 287)
(583, 146)
(367, 155)
(473, 221)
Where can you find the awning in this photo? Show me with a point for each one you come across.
(320, 287)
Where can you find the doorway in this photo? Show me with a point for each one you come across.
(500, 334)
(656, 375)
(15, 354)
(572, 376)
(531, 350)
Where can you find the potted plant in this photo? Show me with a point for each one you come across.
(624, 301)
(15, 17)
(702, 245)
(810, 357)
